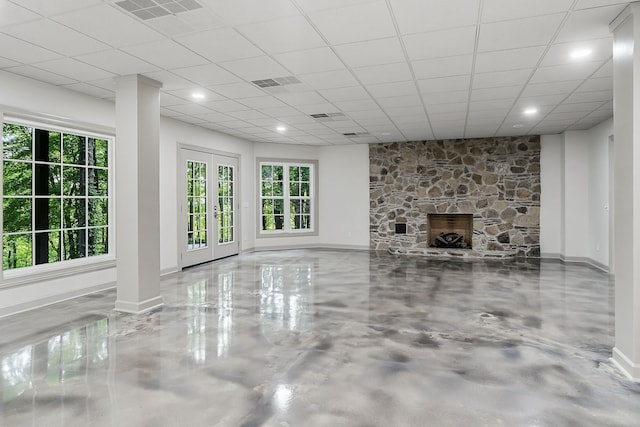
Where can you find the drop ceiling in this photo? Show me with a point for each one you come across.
(332, 72)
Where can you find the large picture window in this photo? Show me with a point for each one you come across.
(287, 197)
(55, 195)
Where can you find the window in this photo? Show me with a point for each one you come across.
(287, 197)
(55, 197)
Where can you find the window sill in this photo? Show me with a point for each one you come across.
(35, 274)
(287, 234)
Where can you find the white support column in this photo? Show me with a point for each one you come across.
(626, 94)
(137, 173)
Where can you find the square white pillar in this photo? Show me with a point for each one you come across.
(137, 171)
(626, 107)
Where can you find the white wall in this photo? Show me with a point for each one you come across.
(574, 220)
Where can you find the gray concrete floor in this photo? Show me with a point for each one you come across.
(328, 338)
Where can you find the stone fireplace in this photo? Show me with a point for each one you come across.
(458, 226)
(494, 182)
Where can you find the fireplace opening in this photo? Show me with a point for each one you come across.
(450, 230)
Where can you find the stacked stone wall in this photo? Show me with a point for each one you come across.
(495, 179)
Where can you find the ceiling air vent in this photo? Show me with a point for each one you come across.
(355, 134)
(149, 9)
(276, 81)
(329, 117)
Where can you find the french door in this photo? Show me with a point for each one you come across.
(208, 207)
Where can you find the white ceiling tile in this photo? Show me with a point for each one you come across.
(201, 19)
(577, 97)
(39, 74)
(560, 53)
(129, 29)
(186, 94)
(57, 6)
(606, 70)
(258, 68)
(215, 117)
(310, 61)
(501, 10)
(539, 101)
(344, 94)
(170, 26)
(448, 108)
(397, 112)
(597, 84)
(442, 67)
(261, 102)
(459, 115)
(355, 23)
(302, 98)
(165, 54)
(551, 88)
(501, 78)
(238, 12)
(452, 42)
(220, 45)
(329, 79)
(23, 52)
(5, 63)
(169, 80)
(11, 14)
(589, 24)
(414, 16)
(191, 109)
(169, 113)
(238, 90)
(558, 73)
(392, 89)
(453, 97)
(518, 33)
(372, 52)
(588, 4)
(225, 106)
(90, 90)
(582, 106)
(444, 84)
(279, 111)
(320, 107)
(510, 59)
(400, 101)
(283, 35)
(74, 69)
(491, 104)
(207, 75)
(248, 115)
(375, 114)
(359, 105)
(388, 73)
(117, 62)
(56, 37)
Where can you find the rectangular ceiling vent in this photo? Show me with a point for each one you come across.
(149, 9)
(329, 117)
(355, 134)
(280, 84)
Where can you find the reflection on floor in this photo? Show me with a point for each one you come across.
(323, 338)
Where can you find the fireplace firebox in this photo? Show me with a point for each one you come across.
(450, 230)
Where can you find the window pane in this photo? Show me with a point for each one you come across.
(267, 189)
(267, 172)
(74, 178)
(47, 213)
(278, 207)
(98, 212)
(47, 146)
(278, 174)
(17, 251)
(98, 241)
(97, 152)
(16, 141)
(16, 214)
(305, 190)
(98, 181)
(73, 212)
(294, 189)
(294, 173)
(74, 244)
(278, 189)
(47, 180)
(49, 244)
(305, 173)
(73, 149)
(16, 178)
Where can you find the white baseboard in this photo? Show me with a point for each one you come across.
(139, 307)
(315, 246)
(576, 260)
(43, 302)
(622, 362)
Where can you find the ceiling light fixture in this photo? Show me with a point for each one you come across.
(281, 128)
(580, 53)
(197, 95)
(530, 111)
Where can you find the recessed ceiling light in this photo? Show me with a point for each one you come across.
(281, 128)
(197, 95)
(385, 134)
(580, 53)
(530, 111)
(518, 126)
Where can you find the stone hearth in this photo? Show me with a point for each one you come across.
(497, 180)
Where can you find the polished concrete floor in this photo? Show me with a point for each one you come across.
(328, 338)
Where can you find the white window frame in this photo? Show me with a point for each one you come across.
(63, 268)
(313, 176)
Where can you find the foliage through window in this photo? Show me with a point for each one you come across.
(286, 197)
(55, 196)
